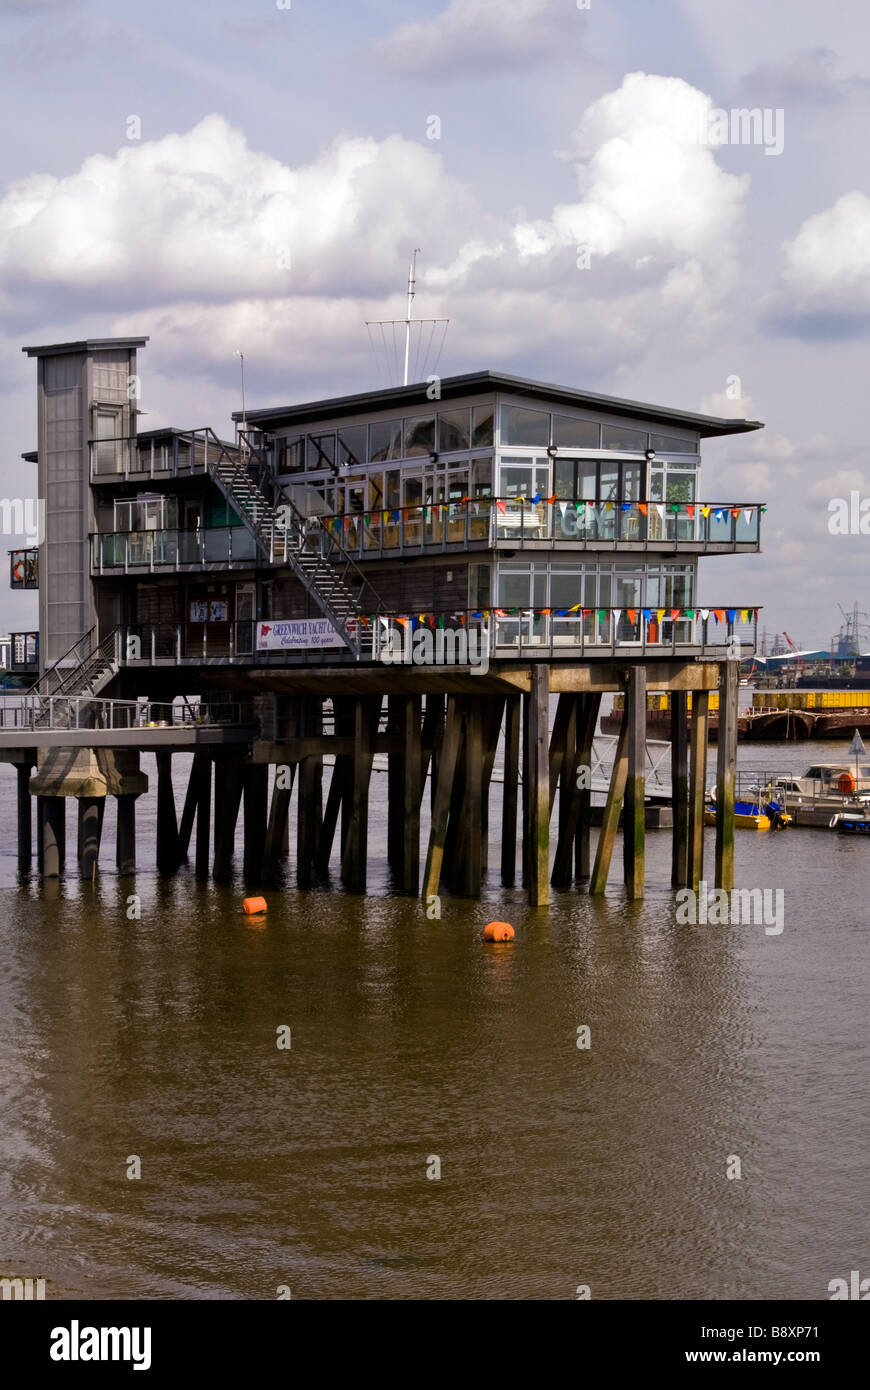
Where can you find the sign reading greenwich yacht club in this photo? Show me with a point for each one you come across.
(302, 634)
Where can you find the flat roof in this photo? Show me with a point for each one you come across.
(85, 345)
(477, 383)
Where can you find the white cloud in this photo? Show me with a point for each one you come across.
(651, 190)
(202, 216)
(825, 281)
(482, 35)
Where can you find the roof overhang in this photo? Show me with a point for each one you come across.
(480, 383)
(85, 345)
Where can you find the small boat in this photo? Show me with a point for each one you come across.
(751, 815)
(846, 824)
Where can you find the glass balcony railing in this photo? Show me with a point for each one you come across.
(526, 521)
(126, 550)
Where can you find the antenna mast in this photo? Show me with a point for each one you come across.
(424, 351)
(412, 280)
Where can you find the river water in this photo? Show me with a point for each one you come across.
(410, 1041)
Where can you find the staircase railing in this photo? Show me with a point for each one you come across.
(326, 570)
(53, 677)
(74, 680)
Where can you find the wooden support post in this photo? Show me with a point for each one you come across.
(227, 799)
(52, 834)
(726, 773)
(203, 820)
(454, 845)
(634, 827)
(167, 824)
(680, 786)
(539, 787)
(526, 785)
(90, 816)
(256, 793)
(492, 729)
(697, 778)
(470, 817)
(433, 732)
(565, 719)
(191, 801)
(25, 817)
(443, 791)
(395, 785)
(587, 723)
(338, 787)
(412, 792)
(125, 836)
(309, 801)
(569, 794)
(355, 853)
(610, 819)
(509, 790)
(279, 818)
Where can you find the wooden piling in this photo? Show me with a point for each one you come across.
(228, 785)
(588, 711)
(355, 854)
(203, 820)
(279, 818)
(726, 772)
(443, 792)
(200, 762)
(538, 856)
(255, 795)
(468, 883)
(569, 795)
(610, 819)
(494, 713)
(697, 779)
(513, 709)
(412, 792)
(167, 824)
(634, 827)
(680, 787)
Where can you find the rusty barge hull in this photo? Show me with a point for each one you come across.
(770, 726)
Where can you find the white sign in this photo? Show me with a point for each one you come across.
(303, 634)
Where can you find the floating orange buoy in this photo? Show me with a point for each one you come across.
(252, 905)
(846, 784)
(498, 931)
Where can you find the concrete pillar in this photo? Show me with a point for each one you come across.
(680, 786)
(91, 811)
(53, 835)
(539, 787)
(25, 818)
(167, 822)
(125, 838)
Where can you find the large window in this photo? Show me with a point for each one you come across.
(419, 437)
(569, 433)
(385, 440)
(454, 430)
(528, 428)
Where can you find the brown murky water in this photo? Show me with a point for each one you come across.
(411, 1039)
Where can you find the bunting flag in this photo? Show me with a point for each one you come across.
(705, 511)
(675, 613)
(732, 614)
(744, 613)
(617, 614)
(660, 612)
(718, 514)
(659, 506)
(501, 506)
(705, 613)
(735, 511)
(601, 615)
(563, 507)
(647, 613)
(641, 506)
(536, 499)
(552, 499)
(720, 614)
(632, 615)
(747, 512)
(691, 510)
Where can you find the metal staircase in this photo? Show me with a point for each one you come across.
(81, 673)
(283, 533)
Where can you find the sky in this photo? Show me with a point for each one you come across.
(254, 176)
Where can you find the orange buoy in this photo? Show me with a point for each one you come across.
(846, 784)
(498, 931)
(252, 905)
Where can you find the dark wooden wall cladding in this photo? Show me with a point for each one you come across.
(403, 588)
(159, 605)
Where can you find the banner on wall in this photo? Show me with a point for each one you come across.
(304, 634)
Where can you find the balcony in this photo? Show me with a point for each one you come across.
(503, 634)
(24, 568)
(125, 552)
(169, 454)
(526, 524)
